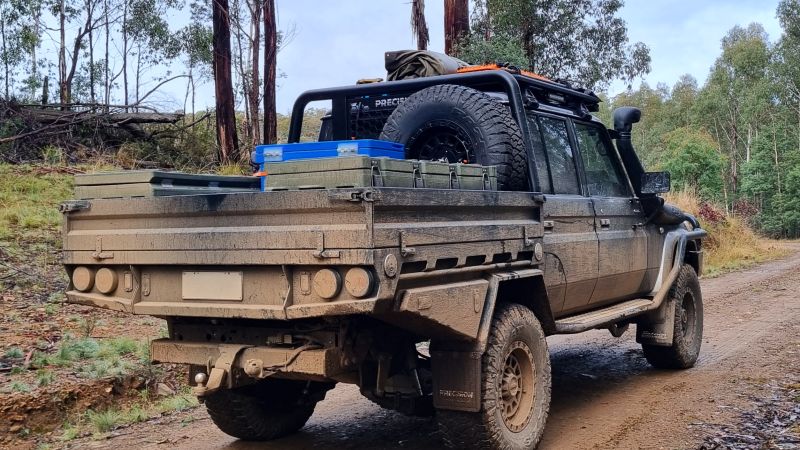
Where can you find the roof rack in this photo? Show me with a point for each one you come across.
(551, 92)
(523, 91)
(499, 66)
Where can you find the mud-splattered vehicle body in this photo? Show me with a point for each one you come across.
(430, 300)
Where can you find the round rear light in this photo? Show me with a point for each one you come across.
(106, 280)
(82, 278)
(327, 283)
(359, 282)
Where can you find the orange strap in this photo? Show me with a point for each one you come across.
(260, 174)
(527, 73)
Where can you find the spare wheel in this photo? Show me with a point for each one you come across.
(452, 123)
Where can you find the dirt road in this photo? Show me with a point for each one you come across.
(604, 394)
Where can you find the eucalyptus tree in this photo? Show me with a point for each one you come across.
(736, 99)
(147, 33)
(82, 16)
(10, 48)
(227, 138)
(246, 30)
(419, 25)
(196, 39)
(271, 45)
(579, 40)
(786, 63)
(456, 24)
(771, 174)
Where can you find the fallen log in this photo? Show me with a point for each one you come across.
(48, 117)
(36, 120)
(143, 117)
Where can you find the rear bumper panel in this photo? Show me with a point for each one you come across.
(315, 363)
(227, 309)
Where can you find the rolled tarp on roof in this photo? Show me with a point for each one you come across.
(405, 64)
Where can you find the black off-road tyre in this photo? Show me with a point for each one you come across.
(515, 336)
(457, 124)
(688, 333)
(268, 410)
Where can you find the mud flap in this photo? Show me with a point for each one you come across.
(657, 327)
(456, 380)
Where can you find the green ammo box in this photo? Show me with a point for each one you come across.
(157, 183)
(351, 171)
(431, 174)
(365, 171)
(473, 177)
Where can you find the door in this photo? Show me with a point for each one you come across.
(622, 241)
(570, 240)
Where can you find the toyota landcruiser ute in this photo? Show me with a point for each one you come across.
(433, 300)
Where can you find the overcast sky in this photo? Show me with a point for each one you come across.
(337, 42)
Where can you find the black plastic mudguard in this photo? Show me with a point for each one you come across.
(657, 327)
(456, 380)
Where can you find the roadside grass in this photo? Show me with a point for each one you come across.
(75, 357)
(58, 341)
(234, 169)
(179, 402)
(44, 377)
(14, 353)
(29, 201)
(731, 244)
(69, 432)
(85, 357)
(91, 358)
(30, 230)
(99, 422)
(18, 386)
(104, 421)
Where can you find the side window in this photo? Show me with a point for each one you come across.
(540, 155)
(604, 176)
(560, 160)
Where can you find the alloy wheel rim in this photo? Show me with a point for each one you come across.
(444, 143)
(517, 387)
(687, 314)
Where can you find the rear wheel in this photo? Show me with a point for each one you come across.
(515, 395)
(458, 124)
(267, 410)
(688, 329)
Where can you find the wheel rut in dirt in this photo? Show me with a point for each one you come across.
(606, 395)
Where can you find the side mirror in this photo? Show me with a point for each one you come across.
(655, 183)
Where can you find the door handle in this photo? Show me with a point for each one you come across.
(605, 223)
(548, 225)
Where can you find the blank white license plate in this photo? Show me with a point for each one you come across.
(211, 286)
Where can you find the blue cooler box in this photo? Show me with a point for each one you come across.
(327, 149)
